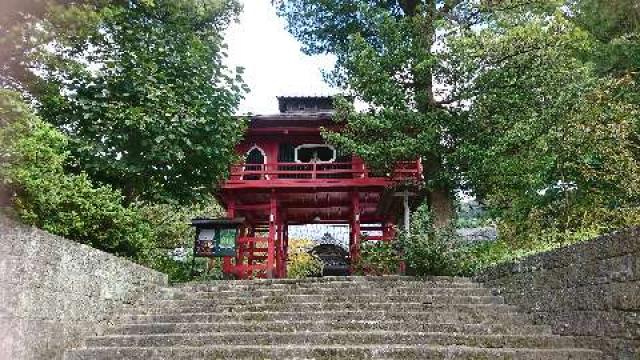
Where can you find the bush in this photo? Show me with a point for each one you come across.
(427, 251)
(301, 263)
(432, 254)
(377, 258)
(34, 156)
(182, 271)
(34, 162)
(443, 252)
(171, 223)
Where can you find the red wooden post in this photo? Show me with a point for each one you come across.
(355, 228)
(251, 249)
(285, 239)
(227, 265)
(272, 235)
(279, 254)
(240, 250)
(360, 170)
(281, 260)
(231, 209)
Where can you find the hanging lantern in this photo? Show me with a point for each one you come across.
(216, 237)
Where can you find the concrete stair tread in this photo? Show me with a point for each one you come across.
(394, 291)
(299, 298)
(335, 285)
(393, 317)
(405, 352)
(449, 315)
(366, 283)
(317, 307)
(335, 325)
(334, 337)
(336, 279)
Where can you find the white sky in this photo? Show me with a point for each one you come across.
(273, 62)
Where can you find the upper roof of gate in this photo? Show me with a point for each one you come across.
(305, 104)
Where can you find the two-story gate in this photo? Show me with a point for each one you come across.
(290, 176)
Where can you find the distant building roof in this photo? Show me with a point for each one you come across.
(305, 104)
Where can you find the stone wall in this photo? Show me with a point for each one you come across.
(53, 292)
(590, 290)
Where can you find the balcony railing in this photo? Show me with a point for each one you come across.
(404, 171)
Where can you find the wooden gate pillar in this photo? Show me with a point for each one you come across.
(227, 264)
(354, 241)
(251, 232)
(285, 247)
(271, 248)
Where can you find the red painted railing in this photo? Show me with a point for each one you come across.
(407, 170)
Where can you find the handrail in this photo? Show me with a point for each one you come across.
(404, 170)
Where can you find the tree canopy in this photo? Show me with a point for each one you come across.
(387, 54)
(34, 155)
(142, 92)
(531, 105)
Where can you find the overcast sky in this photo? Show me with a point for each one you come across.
(274, 64)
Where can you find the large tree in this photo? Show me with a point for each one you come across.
(142, 92)
(548, 142)
(389, 55)
(509, 99)
(13, 16)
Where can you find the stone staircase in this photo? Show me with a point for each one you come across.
(328, 318)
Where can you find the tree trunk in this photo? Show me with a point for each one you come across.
(440, 194)
(441, 205)
(440, 197)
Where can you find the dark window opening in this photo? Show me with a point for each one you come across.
(316, 154)
(253, 162)
(287, 154)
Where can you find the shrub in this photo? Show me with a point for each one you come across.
(34, 155)
(427, 251)
(378, 258)
(301, 263)
(34, 162)
(430, 255)
(171, 222)
(182, 271)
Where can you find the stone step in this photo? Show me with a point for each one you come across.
(323, 281)
(171, 293)
(335, 285)
(359, 352)
(323, 326)
(368, 283)
(164, 307)
(457, 316)
(332, 299)
(332, 338)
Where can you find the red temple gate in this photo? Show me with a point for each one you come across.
(291, 177)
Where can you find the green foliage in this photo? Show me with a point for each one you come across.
(539, 113)
(171, 223)
(301, 263)
(152, 114)
(428, 251)
(378, 258)
(472, 258)
(70, 205)
(182, 271)
(385, 57)
(548, 144)
(34, 156)
(171, 228)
